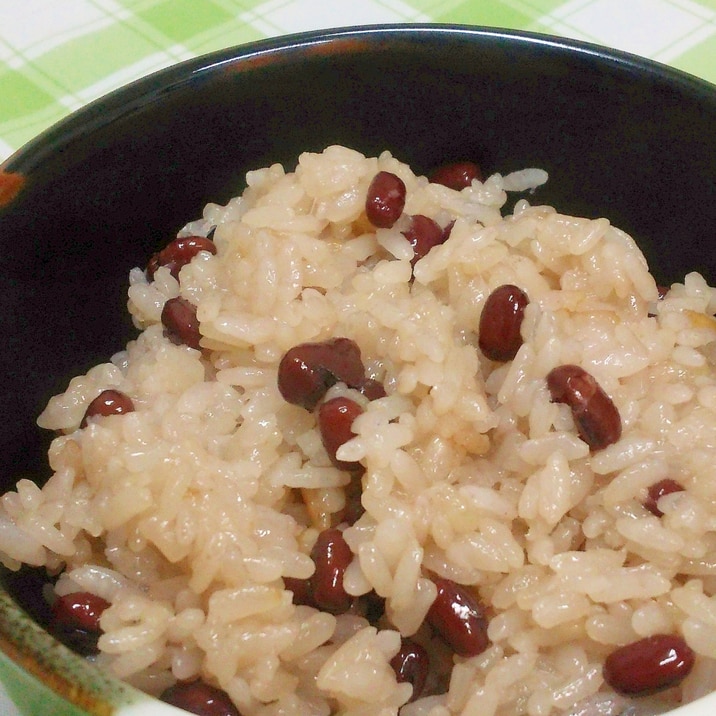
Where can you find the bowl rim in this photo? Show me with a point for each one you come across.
(22, 641)
(124, 99)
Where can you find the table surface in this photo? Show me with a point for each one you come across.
(56, 56)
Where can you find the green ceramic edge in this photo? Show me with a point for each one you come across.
(30, 696)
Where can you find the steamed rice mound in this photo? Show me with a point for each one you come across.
(187, 513)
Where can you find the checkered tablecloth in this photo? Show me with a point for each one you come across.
(57, 55)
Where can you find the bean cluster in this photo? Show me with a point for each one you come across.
(75, 621)
(500, 325)
(456, 615)
(305, 374)
(386, 197)
(178, 317)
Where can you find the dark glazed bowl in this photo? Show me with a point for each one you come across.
(94, 196)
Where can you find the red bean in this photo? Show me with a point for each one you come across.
(301, 589)
(501, 319)
(595, 415)
(423, 233)
(108, 402)
(75, 621)
(649, 665)
(657, 491)
(354, 509)
(372, 389)
(331, 555)
(385, 200)
(335, 418)
(198, 697)
(308, 370)
(411, 664)
(82, 609)
(178, 254)
(371, 606)
(447, 231)
(457, 175)
(457, 615)
(180, 322)
(662, 291)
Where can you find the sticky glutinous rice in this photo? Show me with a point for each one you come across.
(187, 514)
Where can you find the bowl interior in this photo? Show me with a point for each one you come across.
(620, 137)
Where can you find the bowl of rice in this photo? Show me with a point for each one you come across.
(365, 372)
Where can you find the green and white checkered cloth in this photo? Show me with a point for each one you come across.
(57, 55)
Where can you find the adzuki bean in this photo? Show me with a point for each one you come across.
(372, 389)
(657, 491)
(108, 402)
(301, 589)
(353, 509)
(200, 698)
(308, 370)
(457, 175)
(458, 617)
(178, 254)
(662, 291)
(335, 418)
(595, 415)
(331, 555)
(499, 332)
(385, 200)
(371, 606)
(649, 665)
(411, 664)
(447, 231)
(180, 322)
(75, 621)
(423, 233)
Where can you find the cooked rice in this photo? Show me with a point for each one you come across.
(187, 513)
